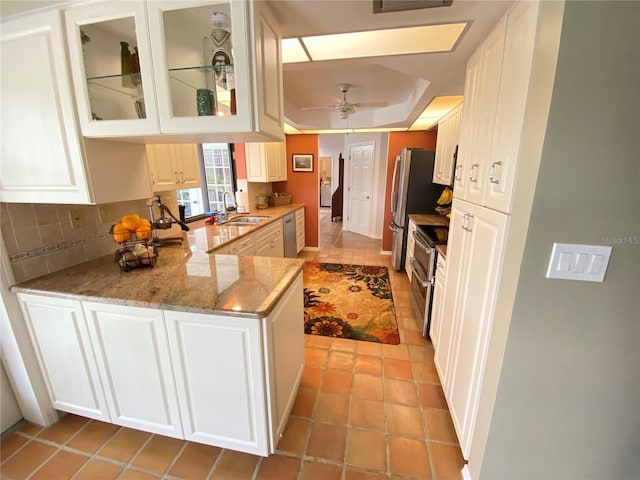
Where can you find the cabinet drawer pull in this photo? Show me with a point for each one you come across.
(492, 172)
(472, 172)
(466, 222)
(457, 173)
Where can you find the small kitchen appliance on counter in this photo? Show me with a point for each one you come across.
(163, 223)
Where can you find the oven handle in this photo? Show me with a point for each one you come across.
(418, 272)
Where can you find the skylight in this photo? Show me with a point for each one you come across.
(373, 43)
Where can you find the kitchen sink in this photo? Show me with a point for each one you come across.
(245, 220)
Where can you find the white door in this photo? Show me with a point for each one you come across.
(59, 336)
(361, 162)
(219, 374)
(132, 354)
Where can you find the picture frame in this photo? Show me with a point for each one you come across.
(303, 162)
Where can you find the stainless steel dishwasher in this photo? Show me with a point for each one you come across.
(290, 249)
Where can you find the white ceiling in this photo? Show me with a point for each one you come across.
(407, 82)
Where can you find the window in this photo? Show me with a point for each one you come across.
(217, 176)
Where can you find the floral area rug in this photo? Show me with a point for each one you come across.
(349, 301)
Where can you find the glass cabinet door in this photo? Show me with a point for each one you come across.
(200, 53)
(111, 68)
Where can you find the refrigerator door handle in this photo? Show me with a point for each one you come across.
(393, 227)
(394, 187)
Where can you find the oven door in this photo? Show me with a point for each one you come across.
(424, 267)
(419, 287)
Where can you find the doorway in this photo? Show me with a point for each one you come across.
(360, 188)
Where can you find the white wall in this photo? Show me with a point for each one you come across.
(568, 399)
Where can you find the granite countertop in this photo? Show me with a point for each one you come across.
(185, 278)
(442, 250)
(429, 219)
(211, 237)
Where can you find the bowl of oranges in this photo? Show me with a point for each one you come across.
(131, 227)
(132, 233)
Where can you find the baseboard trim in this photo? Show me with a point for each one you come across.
(311, 249)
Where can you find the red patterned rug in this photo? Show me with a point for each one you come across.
(349, 301)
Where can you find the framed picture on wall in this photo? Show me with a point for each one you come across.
(303, 162)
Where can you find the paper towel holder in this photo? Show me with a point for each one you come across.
(242, 202)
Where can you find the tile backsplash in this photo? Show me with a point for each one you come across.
(39, 238)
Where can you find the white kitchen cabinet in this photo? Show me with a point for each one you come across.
(410, 247)
(512, 99)
(161, 99)
(475, 254)
(496, 91)
(437, 317)
(173, 166)
(447, 146)
(44, 158)
(111, 100)
(247, 87)
(300, 233)
(270, 241)
(132, 354)
(218, 370)
(266, 162)
(285, 358)
(61, 342)
(480, 97)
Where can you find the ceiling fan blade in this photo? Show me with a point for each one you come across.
(370, 104)
(318, 108)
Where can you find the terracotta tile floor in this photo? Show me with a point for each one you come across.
(364, 411)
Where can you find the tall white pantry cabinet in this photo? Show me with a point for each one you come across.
(497, 87)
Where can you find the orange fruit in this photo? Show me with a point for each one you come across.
(143, 232)
(144, 221)
(121, 233)
(131, 221)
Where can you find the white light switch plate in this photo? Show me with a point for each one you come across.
(579, 262)
(242, 185)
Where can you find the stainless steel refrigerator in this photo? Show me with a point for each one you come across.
(412, 191)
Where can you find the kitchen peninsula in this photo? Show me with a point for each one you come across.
(204, 347)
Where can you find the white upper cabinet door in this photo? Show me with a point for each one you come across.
(482, 117)
(446, 147)
(188, 164)
(41, 151)
(110, 61)
(218, 365)
(193, 56)
(471, 99)
(276, 161)
(133, 357)
(162, 167)
(512, 99)
(61, 342)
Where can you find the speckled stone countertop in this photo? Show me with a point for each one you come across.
(210, 237)
(424, 219)
(185, 278)
(442, 250)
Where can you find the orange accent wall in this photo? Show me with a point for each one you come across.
(397, 141)
(304, 187)
(241, 161)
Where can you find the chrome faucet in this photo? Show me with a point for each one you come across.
(224, 203)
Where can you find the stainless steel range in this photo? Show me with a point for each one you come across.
(423, 266)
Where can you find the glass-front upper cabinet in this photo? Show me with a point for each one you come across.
(110, 63)
(202, 65)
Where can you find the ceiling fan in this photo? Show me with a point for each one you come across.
(345, 107)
